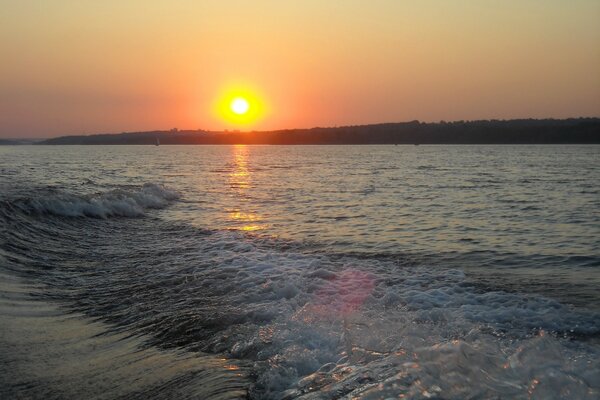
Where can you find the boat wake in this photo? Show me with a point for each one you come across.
(300, 323)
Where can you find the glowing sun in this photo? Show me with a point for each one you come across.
(239, 106)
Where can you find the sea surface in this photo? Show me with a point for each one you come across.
(300, 272)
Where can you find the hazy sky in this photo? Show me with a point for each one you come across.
(86, 66)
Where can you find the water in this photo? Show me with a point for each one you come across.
(300, 271)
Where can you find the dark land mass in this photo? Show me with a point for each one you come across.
(523, 131)
(16, 142)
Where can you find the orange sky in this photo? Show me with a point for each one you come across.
(72, 67)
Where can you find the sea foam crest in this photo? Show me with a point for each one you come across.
(115, 203)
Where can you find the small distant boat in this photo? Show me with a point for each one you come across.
(157, 142)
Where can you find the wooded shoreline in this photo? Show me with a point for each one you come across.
(522, 131)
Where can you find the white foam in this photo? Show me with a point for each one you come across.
(384, 330)
(120, 202)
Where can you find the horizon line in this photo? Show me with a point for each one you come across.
(233, 130)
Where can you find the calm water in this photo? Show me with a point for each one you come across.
(300, 271)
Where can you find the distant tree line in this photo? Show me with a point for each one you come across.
(521, 131)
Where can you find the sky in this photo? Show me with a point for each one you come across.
(81, 66)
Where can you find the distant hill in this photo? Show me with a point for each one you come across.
(16, 142)
(522, 131)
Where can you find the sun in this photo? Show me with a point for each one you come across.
(239, 106)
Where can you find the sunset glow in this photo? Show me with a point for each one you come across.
(393, 61)
(300, 199)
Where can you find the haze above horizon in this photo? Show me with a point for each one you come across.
(88, 67)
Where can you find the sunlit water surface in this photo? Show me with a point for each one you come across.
(300, 271)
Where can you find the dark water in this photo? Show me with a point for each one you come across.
(300, 272)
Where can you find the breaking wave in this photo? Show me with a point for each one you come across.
(115, 203)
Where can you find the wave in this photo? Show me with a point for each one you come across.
(114, 203)
(313, 324)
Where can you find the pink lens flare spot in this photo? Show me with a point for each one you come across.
(347, 292)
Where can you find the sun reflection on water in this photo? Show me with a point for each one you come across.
(239, 177)
(242, 215)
